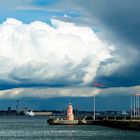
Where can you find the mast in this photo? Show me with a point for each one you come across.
(94, 108)
(131, 108)
(94, 104)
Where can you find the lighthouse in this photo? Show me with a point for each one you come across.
(70, 116)
(69, 120)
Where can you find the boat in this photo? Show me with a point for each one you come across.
(29, 113)
(61, 121)
(69, 120)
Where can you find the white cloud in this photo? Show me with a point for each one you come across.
(48, 92)
(67, 92)
(64, 53)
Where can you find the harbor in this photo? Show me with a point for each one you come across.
(25, 127)
(127, 120)
(69, 70)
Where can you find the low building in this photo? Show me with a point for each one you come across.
(43, 113)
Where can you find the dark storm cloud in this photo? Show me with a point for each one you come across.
(121, 16)
(126, 75)
(122, 19)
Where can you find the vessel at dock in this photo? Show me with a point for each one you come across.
(69, 120)
(61, 121)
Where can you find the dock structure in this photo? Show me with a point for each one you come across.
(135, 106)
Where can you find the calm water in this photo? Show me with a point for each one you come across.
(36, 128)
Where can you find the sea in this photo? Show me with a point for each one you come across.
(36, 128)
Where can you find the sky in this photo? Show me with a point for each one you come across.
(51, 51)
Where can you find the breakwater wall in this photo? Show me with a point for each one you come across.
(121, 124)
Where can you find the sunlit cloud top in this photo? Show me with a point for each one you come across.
(57, 55)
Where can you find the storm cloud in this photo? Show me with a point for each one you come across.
(78, 42)
(118, 22)
(38, 54)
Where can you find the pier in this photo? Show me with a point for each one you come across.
(119, 124)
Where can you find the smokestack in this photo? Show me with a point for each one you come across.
(17, 107)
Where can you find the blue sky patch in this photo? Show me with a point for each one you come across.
(44, 2)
